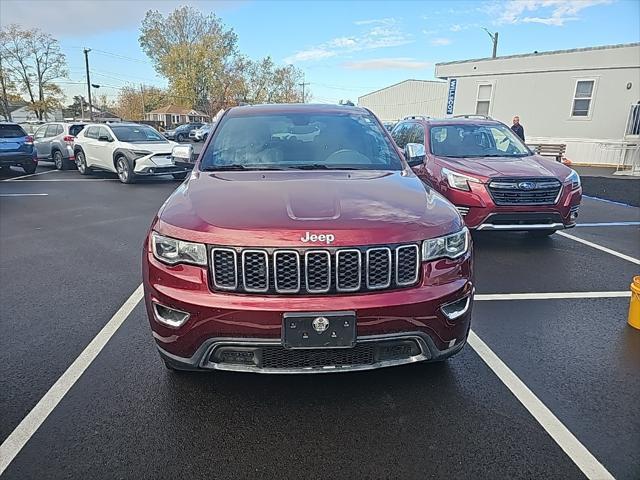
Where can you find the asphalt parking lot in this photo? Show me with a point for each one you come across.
(70, 259)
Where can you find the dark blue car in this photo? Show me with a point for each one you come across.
(16, 148)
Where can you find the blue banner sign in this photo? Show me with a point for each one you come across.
(452, 95)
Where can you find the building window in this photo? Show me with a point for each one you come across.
(483, 100)
(582, 98)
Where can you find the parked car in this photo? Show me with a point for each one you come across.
(128, 149)
(181, 133)
(495, 180)
(16, 148)
(54, 142)
(282, 255)
(201, 134)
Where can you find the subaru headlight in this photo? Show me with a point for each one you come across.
(458, 180)
(135, 154)
(450, 246)
(173, 251)
(574, 180)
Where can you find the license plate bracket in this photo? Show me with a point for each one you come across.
(319, 330)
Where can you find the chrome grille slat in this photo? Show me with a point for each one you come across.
(407, 265)
(255, 271)
(317, 271)
(225, 268)
(286, 271)
(378, 268)
(348, 270)
(314, 271)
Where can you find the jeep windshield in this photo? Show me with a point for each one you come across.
(483, 140)
(137, 134)
(304, 141)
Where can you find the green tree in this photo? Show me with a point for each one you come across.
(192, 50)
(133, 101)
(34, 61)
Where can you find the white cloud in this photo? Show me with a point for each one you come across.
(381, 33)
(70, 18)
(547, 12)
(430, 32)
(400, 63)
(441, 41)
(311, 54)
(456, 28)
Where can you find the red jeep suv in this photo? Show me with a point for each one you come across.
(495, 180)
(302, 242)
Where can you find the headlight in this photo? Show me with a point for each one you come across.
(172, 251)
(459, 181)
(574, 179)
(135, 154)
(449, 246)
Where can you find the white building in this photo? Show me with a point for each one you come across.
(586, 98)
(411, 97)
(23, 114)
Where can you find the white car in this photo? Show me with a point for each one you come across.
(128, 149)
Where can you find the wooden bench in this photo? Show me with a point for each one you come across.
(555, 150)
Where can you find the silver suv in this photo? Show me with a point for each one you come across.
(54, 142)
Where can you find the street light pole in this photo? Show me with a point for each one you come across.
(86, 63)
(494, 40)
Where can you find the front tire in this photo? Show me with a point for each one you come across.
(542, 233)
(180, 138)
(81, 163)
(125, 170)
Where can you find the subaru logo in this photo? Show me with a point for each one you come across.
(526, 185)
(320, 324)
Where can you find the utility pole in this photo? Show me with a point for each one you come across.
(494, 40)
(86, 63)
(303, 84)
(82, 107)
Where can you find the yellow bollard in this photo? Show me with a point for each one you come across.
(634, 305)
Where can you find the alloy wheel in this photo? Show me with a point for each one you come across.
(123, 171)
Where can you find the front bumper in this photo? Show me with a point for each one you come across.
(158, 164)
(253, 321)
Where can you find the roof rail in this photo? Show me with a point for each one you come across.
(474, 115)
(416, 117)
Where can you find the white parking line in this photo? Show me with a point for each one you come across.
(601, 248)
(72, 180)
(30, 424)
(575, 450)
(14, 179)
(608, 224)
(550, 295)
(23, 194)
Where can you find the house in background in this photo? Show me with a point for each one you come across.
(20, 113)
(585, 98)
(173, 115)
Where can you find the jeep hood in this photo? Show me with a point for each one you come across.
(278, 208)
(488, 167)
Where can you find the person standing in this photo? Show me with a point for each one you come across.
(517, 128)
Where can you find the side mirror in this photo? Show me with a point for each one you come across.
(182, 154)
(414, 153)
(104, 138)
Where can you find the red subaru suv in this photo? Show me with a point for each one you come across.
(490, 175)
(303, 242)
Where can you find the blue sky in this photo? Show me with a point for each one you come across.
(346, 49)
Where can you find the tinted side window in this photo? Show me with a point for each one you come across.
(103, 132)
(40, 132)
(75, 130)
(60, 129)
(51, 131)
(401, 134)
(92, 132)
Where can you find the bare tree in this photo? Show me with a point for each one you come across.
(34, 62)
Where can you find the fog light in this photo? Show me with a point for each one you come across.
(235, 355)
(169, 316)
(456, 309)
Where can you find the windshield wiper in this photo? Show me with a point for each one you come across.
(318, 166)
(236, 166)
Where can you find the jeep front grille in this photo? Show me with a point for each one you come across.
(314, 271)
(525, 191)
